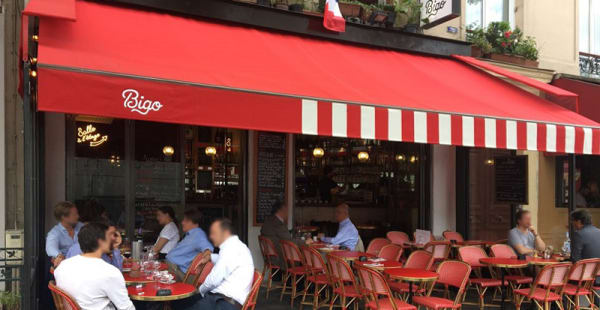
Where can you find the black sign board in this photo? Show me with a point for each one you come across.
(511, 179)
(271, 173)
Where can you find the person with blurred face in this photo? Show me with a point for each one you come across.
(347, 235)
(114, 256)
(524, 238)
(586, 238)
(169, 235)
(228, 284)
(94, 284)
(275, 227)
(62, 236)
(193, 242)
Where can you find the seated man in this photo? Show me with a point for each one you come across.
(229, 283)
(586, 238)
(193, 242)
(275, 227)
(94, 284)
(62, 236)
(114, 257)
(347, 235)
(524, 238)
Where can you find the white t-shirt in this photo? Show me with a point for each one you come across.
(171, 233)
(94, 283)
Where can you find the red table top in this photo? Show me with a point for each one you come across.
(541, 261)
(504, 262)
(351, 254)
(386, 264)
(475, 242)
(410, 274)
(163, 266)
(148, 292)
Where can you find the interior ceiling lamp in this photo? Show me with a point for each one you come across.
(413, 159)
(363, 156)
(210, 151)
(168, 150)
(400, 157)
(318, 152)
(489, 162)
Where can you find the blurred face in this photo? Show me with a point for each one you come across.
(162, 218)
(106, 245)
(217, 235)
(112, 235)
(340, 214)
(577, 225)
(283, 213)
(525, 220)
(72, 218)
(187, 225)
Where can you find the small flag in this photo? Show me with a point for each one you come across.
(332, 17)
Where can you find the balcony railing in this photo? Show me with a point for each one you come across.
(589, 65)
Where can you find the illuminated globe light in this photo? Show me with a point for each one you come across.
(363, 156)
(318, 152)
(210, 151)
(490, 162)
(168, 150)
(400, 157)
(413, 159)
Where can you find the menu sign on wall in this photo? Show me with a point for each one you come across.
(435, 12)
(511, 179)
(271, 173)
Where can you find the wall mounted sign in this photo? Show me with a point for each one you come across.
(90, 135)
(511, 179)
(436, 12)
(271, 173)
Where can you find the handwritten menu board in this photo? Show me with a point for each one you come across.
(271, 173)
(511, 179)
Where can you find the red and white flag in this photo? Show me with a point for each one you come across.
(332, 17)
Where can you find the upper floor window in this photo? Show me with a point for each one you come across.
(480, 13)
(589, 26)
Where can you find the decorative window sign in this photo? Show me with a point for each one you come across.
(91, 135)
(435, 12)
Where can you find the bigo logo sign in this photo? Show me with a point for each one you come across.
(137, 103)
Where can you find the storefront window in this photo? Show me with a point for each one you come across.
(589, 26)
(587, 178)
(479, 13)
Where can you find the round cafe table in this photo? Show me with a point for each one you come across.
(411, 276)
(127, 266)
(351, 255)
(148, 292)
(503, 264)
(307, 229)
(383, 265)
(540, 261)
(143, 278)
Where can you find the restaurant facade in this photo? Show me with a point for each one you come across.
(231, 117)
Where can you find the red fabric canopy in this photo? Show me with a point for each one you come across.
(64, 9)
(125, 63)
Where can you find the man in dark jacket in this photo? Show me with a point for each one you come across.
(586, 238)
(275, 228)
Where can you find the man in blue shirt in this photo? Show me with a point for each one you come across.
(193, 242)
(62, 236)
(115, 258)
(347, 235)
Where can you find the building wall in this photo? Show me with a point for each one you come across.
(443, 189)
(55, 164)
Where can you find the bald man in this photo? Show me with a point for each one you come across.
(347, 235)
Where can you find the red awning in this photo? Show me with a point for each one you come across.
(126, 63)
(589, 95)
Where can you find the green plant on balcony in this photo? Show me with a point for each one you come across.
(527, 48)
(10, 301)
(499, 42)
(477, 38)
(409, 15)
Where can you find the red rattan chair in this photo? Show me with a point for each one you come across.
(376, 244)
(377, 293)
(451, 274)
(271, 261)
(516, 281)
(452, 236)
(344, 283)
(472, 256)
(440, 251)
(391, 252)
(398, 237)
(419, 260)
(62, 300)
(581, 279)
(251, 299)
(195, 267)
(201, 277)
(547, 288)
(295, 269)
(503, 251)
(317, 276)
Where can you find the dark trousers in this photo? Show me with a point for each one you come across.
(209, 302)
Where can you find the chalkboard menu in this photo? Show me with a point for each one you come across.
(271, 173)
(511, 179)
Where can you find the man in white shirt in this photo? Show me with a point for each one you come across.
(94, 283)
(228, 284)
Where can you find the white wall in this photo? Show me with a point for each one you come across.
(443, 189)
(55, 162)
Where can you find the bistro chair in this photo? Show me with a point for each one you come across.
(377, 293)
(62, 300)
(398, 237)
(516, 279)
(440, 251)
(392, 252)
(294, 271)
(547, 289)
(472, 256)
(416, 260)
(195, 267)
(316, 275)
(580, 281)
(344, 283)
(201, 277)
(451, 274)
(253, 296)
(453, 236)
(376, 244)
(271, 261)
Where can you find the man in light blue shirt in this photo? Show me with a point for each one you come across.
(347, 235)
(115, 258)
(193, 242)
(62, 236)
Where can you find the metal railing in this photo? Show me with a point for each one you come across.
(11, 269)
(589, 65)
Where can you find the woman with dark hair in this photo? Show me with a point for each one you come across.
(169, 235)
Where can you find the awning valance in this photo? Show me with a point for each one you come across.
(126, 63)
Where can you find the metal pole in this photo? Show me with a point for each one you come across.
(571, 159)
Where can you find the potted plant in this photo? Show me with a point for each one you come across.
(480, 46)
(527, 48)
(10, 301)
(499, 42)
(281, 4)
(383, 15)
(411, 12)
(350, 8)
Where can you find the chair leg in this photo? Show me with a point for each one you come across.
(294, 287)
(333, 298)
(306, 287)
(286, 277)
(269, 280)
